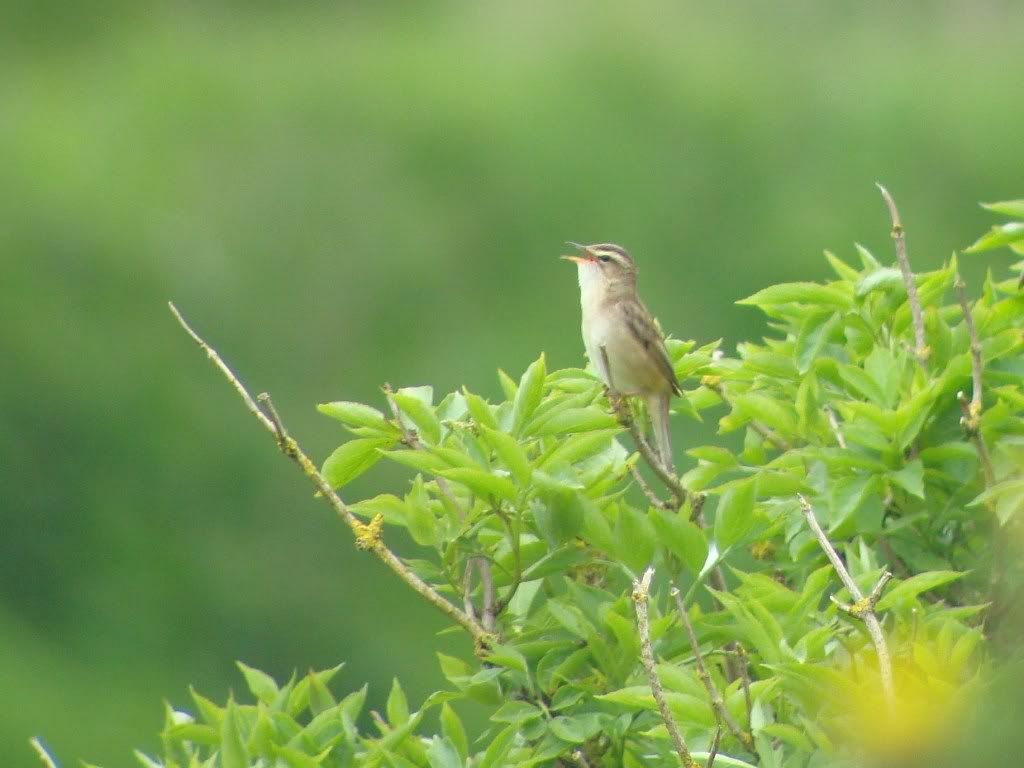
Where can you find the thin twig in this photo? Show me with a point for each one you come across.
(967, 420)
(263, 398)
(921, 350)
(862, 608)
(641, 595)
(648, 491)
(714, 383)
(717, 703)
(487, 585)
(41, 752)
(580, 757)
(622, 411)
(467, 590)
(368, 535)
(713, 752)
(976, 365)
(833, 422)
(411, 439)
(741, 653)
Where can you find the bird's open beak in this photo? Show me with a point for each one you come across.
(588, 256)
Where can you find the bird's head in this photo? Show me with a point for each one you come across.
(606, 264)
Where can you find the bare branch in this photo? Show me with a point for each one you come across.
(741, 654)
(717, 703)
(921, 350)
(833, 422)
(467, 590)
(864, 607)
(641, 595)
(487, 586)
(368, 535)
(648, 491)
(41, 752)
(216, 360)
(263, 398)
(713, 753)
(976, 365)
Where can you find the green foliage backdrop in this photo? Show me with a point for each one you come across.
(361, 196)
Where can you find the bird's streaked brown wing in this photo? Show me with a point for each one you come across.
(646, 332)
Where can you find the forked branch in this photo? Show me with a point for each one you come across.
(863, 607)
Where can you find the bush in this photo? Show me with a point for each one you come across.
(533, 525)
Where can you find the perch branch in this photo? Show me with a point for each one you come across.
(717, 703)
(641, 595)
(863, 607)
(652, 497)
(921, 350)
(368, 535)
(621, 408)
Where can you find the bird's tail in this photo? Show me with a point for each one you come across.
(657, 406)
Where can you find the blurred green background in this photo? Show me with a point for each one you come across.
(338, 197)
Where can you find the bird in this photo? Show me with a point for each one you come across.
(624, 343)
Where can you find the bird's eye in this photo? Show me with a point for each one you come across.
(605, 258)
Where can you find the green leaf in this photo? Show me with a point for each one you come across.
(529, 394)
(907, 590)
(421, 461)
(910, 478)
(232, 749)
(481, 482)
(1007, 207)
(260, 684)
(351, 459)
(560, 518)
(814, 334)
(636, 538)
(735, 514)
(800, 293)
(884, 278)
(843, 270)
(414, 402)
(509, 657)
(480, 410)
(516, 712)
(574, 420)
(453, 731)
(508, 386)
(496, 751)
(509, 451)
(997, 237)
(442, 754)
(355, 415)
(766, 410)
(576, 729)
(1008, 497)
(397, 705)
(681, 537)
